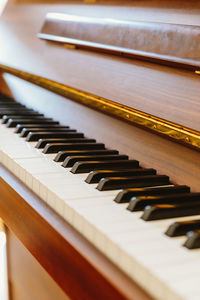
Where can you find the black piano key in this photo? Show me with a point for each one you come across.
(31, 115)
(12, 111)
(11, 104)
(20, 127)
(125, 196)
(63, 154)
(54, 148)
(193, 240)
(71, 160)
(13, 123)
(114, 183)
(182, 227)
(28, 119)
(21, 113)
(15, 108)
(35, 136)
(96, 176)
(86, 167)
(4, 98)
(7, 100)
(167, 211)
(43, 142)
(139, 203)
(73, 137)
(26, 131)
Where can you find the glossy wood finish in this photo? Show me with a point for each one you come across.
(78, 268)
(186, 136)
(167, 44)
(27, 279)
(159, 90)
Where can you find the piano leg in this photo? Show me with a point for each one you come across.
(27, 279)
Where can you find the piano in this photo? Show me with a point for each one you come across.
(99, 157)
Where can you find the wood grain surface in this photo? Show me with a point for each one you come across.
(79, 269)
(162, 91)
(166, 44)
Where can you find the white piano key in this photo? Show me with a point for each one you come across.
(192, 296)
(186, 286)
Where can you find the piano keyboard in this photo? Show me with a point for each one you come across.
(137, 218)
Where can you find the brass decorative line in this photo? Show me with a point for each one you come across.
(176, 132)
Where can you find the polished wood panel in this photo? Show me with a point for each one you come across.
(79, 269)
(186, 136)
(162, 91)
(27, 279)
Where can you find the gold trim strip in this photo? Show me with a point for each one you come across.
(176, 132)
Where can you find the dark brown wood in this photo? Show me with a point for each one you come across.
(174, 45)
(78, 268)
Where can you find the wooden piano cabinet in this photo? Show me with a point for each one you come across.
(48, 259)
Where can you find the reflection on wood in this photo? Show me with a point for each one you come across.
(176, 132)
